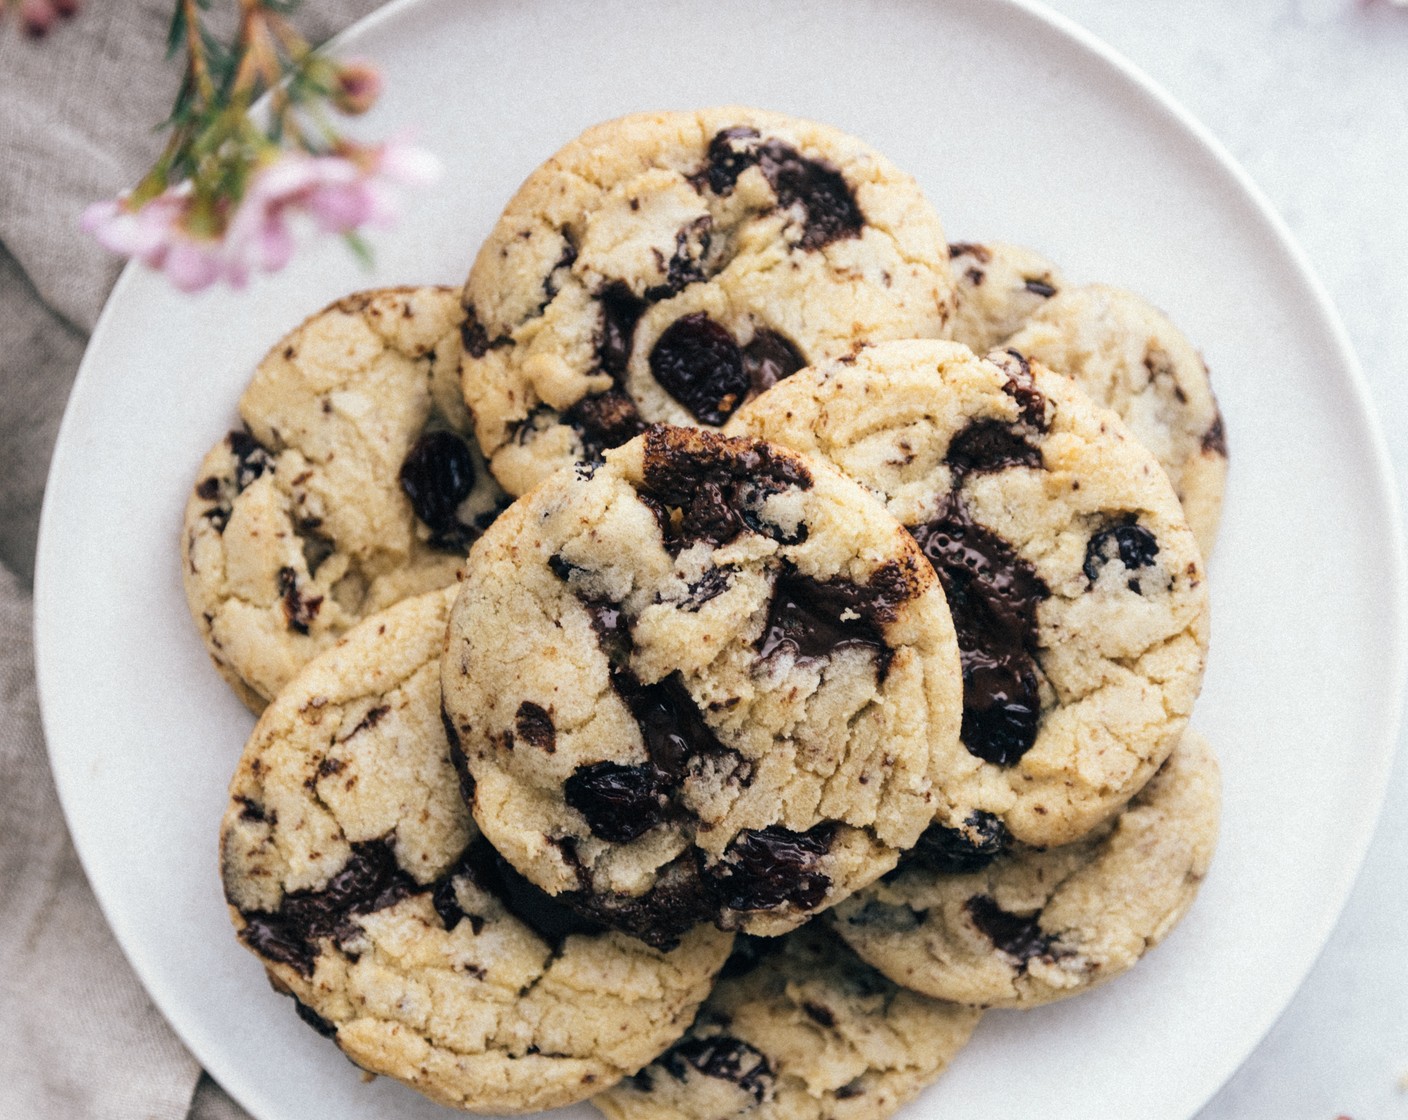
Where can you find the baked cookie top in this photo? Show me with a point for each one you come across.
(355, 875)
(1076, 587)
(353, 484)
(1037, 925)
(798, 1029)
(1132, 359)
(999, 287)
(666, 266)
(704, 680)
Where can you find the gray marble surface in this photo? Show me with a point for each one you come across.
(1311, 96)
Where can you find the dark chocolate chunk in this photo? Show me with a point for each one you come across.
(989, 445)
(850, 1089)
(619, 802)
(551, 284)
(1016, 935)
(457, 757)
(819, 1014)
(621, 310)
(475, 338)
(768, 359)
(809, 619)
(371, 880)
(710, 585)
(679, 900)
(1133, 544)
(438, 475)
(959, 851)
(208, 489)
(1039, 287)
(1021, 387)
(829, 209)
(534, 727)
(722, 1057)
(313, 1019)
(605, 420)
(765, 868)
(686, 263)
(980, 253)
(252, 458)
(674, 729)
(698, 362)
(748, 952)
(717, 484)
(1215, 438)
(299, 610)
(541, 912)
(993, 596)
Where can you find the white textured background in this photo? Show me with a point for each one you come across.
(1311, 96)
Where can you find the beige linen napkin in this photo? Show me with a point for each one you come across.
(81, 1040)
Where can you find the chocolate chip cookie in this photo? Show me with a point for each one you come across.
(1076, 587)
(665, 267)
(356, 876)
(704, 680)
(1031, 925)
(353, 484)
(797, 1029)
(1131, 358)
(999, 287)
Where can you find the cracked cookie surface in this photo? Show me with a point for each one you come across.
(356, 876)
(999, 286)
(702, 681)
(353, 484)
(664, 267)
(798, 1028)
(1037, 925)
(1128, 356)
(1076, 587)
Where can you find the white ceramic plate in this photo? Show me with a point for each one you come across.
(1018, 126)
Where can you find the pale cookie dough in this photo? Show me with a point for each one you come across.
(798, 1029)
(999, 287)
(1075, 585)
(702, 681)
(355, 875)
(1039, 925)
(303, 523)
(1131, 358)
(664, 267)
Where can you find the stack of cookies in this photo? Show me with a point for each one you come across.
(710, 659)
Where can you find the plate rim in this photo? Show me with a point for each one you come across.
(1302, 274)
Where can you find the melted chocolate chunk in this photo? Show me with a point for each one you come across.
(605, 420)
(208, 489)
(475, 338)
(679, 900)
(686, 264)
(621, 310)
(370, 881)
(768, 359)
(764, 868)
(993, 596)
(717, 484)
(959, 851)
(670, 722)
(299, 611)
(710, 585)
(722, 1057)
(457, 757)
(313, 1019)
(544, 914)
(1133, 544)
(749, 951)
(698, 362)
(550, 283)
(619, 802)
(252, 458)
(829, 210)
(989, 445)
(810, 619)
(1039, 287)
(1021, 387)
(534, 727)
(437, 476)
(819, 1014)
(1215, 438)
(1017, 936)
(980, 253)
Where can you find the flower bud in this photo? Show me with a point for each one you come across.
(357, 86)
